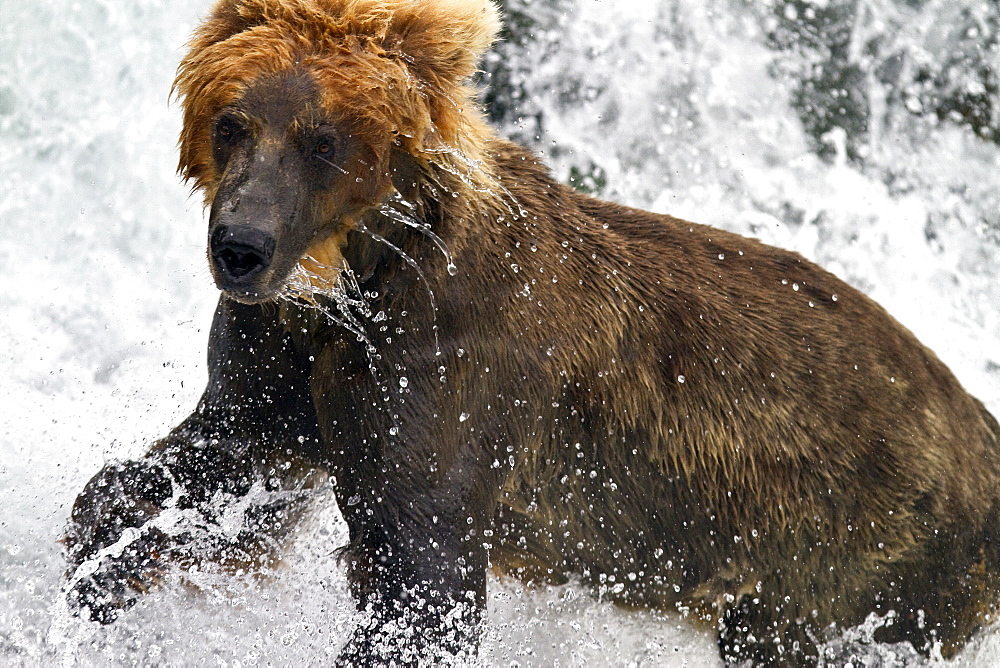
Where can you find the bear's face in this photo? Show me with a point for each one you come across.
(294, 172)
(296, 113)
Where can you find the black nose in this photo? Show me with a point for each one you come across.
(241, 251)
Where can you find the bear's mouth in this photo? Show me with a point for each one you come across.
(241, 253)
(250, 294)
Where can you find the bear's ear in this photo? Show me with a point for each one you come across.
(443, 40)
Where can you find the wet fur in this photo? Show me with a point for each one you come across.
(681, 416)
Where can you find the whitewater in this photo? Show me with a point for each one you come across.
(106, 299)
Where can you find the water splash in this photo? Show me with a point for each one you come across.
(420, 273)
(488, 186)
(857, 647)
(399, 210)
(307, 288)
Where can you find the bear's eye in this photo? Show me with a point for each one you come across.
(323, 148)
(226, 129)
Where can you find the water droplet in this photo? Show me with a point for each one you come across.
(834, 297)
(681, 379)
(452, 269)
(404, 381)
(722, 256)
(463, 417)
(795, 286)
(393, 431)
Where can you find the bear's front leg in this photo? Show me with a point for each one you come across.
(127, 521)
(254, 430)
(113, 516)
(418, 570)
(420, 514)
(417, 476)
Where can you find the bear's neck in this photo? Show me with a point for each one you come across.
(420, 231)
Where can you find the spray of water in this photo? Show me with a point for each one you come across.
(398, 210)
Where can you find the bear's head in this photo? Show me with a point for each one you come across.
(302, 115)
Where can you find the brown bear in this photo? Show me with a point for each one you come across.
(497, 371)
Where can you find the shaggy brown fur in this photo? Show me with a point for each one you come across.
(498, 370)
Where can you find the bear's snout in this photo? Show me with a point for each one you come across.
(241, 252)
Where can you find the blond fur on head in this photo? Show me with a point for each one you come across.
(400, 65)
